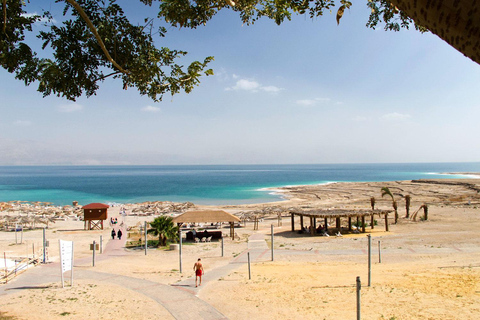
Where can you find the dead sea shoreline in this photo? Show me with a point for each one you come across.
(429, 270)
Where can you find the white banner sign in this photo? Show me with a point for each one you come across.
(66, 255)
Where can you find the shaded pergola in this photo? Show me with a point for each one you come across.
(208, 216)
(337, 214)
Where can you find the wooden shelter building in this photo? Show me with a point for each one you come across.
(337, 214)
(208, 216)
(93, 215)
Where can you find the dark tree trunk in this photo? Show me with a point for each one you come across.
(455, 21)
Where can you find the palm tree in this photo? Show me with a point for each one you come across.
(164, 228)
(372, 202)
(425, 212)
(386, 191)
(408, 198)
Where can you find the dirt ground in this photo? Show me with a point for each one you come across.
(428, 270)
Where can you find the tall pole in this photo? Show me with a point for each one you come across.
(359, 287)
(145, 229)
(101, 244)
(369, 259)
(249, 273)
(222, 245)
(379, 253)
(272, 240)
(71, 270)
(180, 248)
(61, 262)
(44, 246)
(93, 257)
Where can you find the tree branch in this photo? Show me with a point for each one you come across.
(108, 75)
(95, 33)
(4, 16)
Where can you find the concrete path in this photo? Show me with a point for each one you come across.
(173, 298)
(256, 247)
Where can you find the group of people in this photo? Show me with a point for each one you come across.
(113, 221)
(117, 234)
(319, 230)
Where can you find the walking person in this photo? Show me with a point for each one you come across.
(198, 268)
(119, 234)
(114, 233)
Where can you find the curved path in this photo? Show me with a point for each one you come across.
(173, 298)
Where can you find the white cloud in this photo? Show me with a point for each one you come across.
(272, 89)
(22, 123)
(395, 116)
(252, 86)
(311, 102)
(72, 107)
(151, 109)
(246, 85)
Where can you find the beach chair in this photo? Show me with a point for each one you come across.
(204, 239)
(209, 239)
(197, 240)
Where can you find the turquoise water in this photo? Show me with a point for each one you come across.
(215, 184)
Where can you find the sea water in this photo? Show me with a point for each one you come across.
(209, 184)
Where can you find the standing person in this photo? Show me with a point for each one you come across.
(114, 233)
(198, 267)
(119, 234)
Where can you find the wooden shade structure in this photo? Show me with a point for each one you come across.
(337, 214)
(206, 216)
(94, 214)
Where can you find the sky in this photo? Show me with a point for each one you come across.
(305, 92)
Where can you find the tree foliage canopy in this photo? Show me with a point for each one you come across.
(164, 228)
(96, 40)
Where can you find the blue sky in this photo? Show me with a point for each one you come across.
(307, 91)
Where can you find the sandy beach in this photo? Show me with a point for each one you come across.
(428, 270)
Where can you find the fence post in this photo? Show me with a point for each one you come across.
(359, 287)
(272, 241)
(180, 248)
(93, 257)
(44, 246)
(379, 253)
(369, 259)
(146, 241)
(249, 273)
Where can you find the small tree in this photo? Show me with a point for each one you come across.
(164, 228)
(386, 191)
(372, 202)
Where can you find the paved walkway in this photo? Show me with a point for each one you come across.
(173, 298)
(257, 248)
